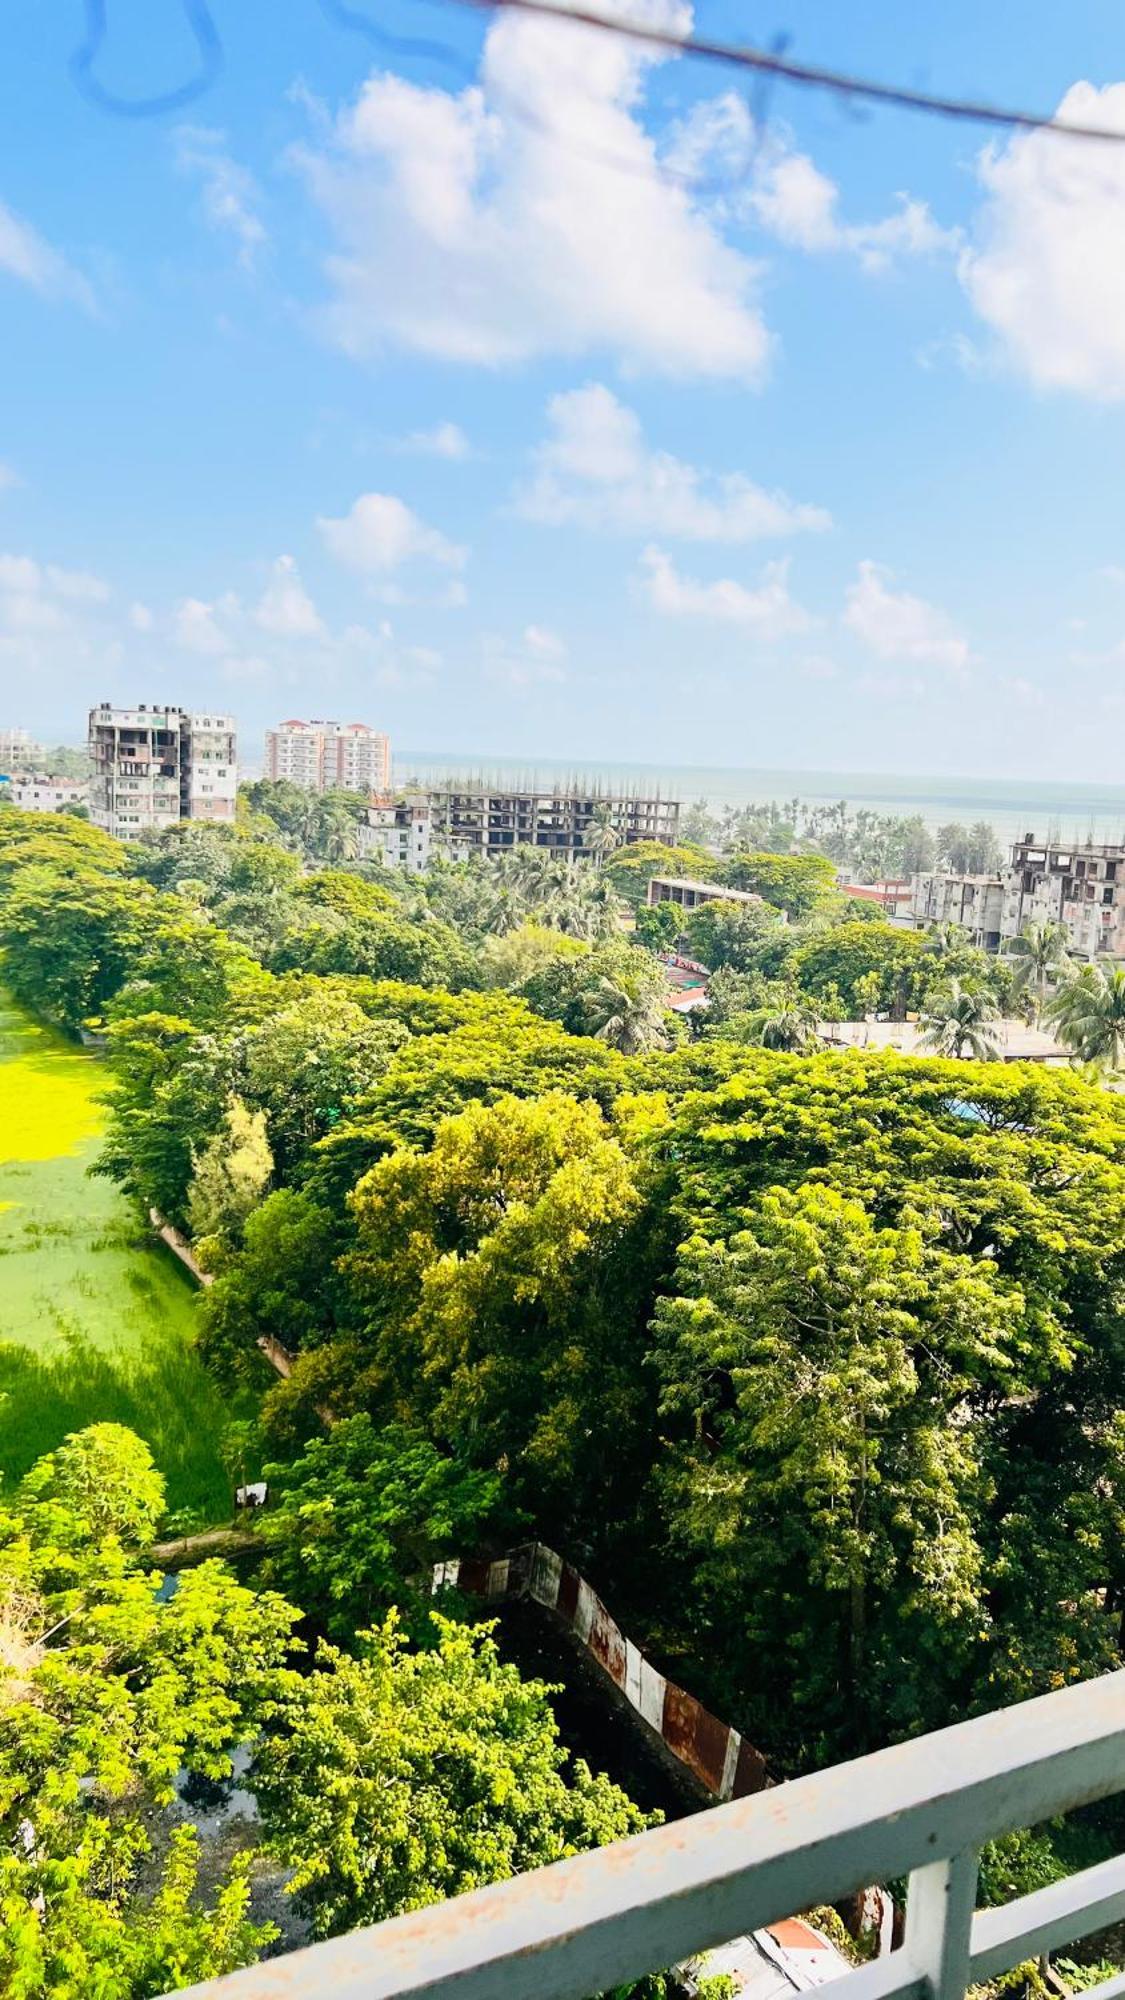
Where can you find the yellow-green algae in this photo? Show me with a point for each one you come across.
(96, 1318)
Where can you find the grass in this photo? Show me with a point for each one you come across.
(96, 1316)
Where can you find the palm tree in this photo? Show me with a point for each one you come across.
(632, 1021)
(960, 1022)
(1041, 959)
(1090, 1013)
(603, 835)
(339, 836)
(789, 1030)
(945, 940)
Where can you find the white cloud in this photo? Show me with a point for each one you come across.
(196, 628)
(9, 477)
(286, 609)
(545, 644)
(37, 599)
(230, 192)
(380, 533)
(1046, 270)
(595, 469)
(529, 215)
(443, 441)
(140, 617)
(785, 193)
(76, 583)
(896, 626)
(524, 663)
(26, 255)
(768, 610)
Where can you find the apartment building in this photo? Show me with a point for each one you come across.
(477, 818)
(1045, 882)
(37, 792)
(976, 902)
(1082, 888)
(154, 766)
(329, 756)
(19, 751)
(398, 833)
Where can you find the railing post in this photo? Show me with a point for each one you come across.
(940, 1901)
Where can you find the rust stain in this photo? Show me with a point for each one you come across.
(607, 1644)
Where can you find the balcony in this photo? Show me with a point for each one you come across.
(922, 1809)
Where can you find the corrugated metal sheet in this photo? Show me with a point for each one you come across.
(722, 1761)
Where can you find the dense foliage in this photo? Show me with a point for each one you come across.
(816, 1360)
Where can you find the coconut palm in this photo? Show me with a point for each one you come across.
(603, 835)
(629, 1019)
(788, 1030)
(339, 836)
(1089, 1011)
(1040, 960)
(960, 1023)
(945, 940)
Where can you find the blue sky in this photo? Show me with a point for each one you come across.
(553, 401)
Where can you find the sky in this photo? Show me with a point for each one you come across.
(501, 385)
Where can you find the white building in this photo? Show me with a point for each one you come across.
(37, 793)
(154, 766)
(328, 756)
(973, 901)
(19, 752)
(398, 832)
(1081, 888)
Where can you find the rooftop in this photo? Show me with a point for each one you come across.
(1018, 1042)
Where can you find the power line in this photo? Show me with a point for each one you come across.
(207, 41)
(773, 63)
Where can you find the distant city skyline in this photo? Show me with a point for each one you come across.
(340, 392)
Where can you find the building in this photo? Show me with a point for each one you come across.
(1016, 1041)
(398, 832)
(973, 901)
(155, 766)
(485, 820)
(1081, 888)
(39, 793)
(329, 756)
(689, 895)
(19, 752)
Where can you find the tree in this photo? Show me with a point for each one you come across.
(361, 1514)
(108, 1689)
(799, 884)
(499, 1280)
(843, 954)
(790, 1028)
(811, 1366)
(1089, 1011)
(398, 1778)
(509, 960)
(99, 1482)
(728, 934)
(973, 850)
(961, 1023)
(628, 1015)
(1040, 960)
(632, 867)
(305, 1065)
(659, 926)
(230, 1178)
(603, 835)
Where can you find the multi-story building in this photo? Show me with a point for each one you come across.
(36, 792)
(398, 832)
(973, 901)
(329, 756)
(1082, 888)
(154, 766)
(1045, 882)
(689, 894)
(482, 819)
(19, 751)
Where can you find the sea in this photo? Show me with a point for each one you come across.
(1048, 808)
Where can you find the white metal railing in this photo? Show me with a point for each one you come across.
(921, 1809)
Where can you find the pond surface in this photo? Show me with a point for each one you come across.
(96, 1317)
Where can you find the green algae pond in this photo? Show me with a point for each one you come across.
(96, 1316)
